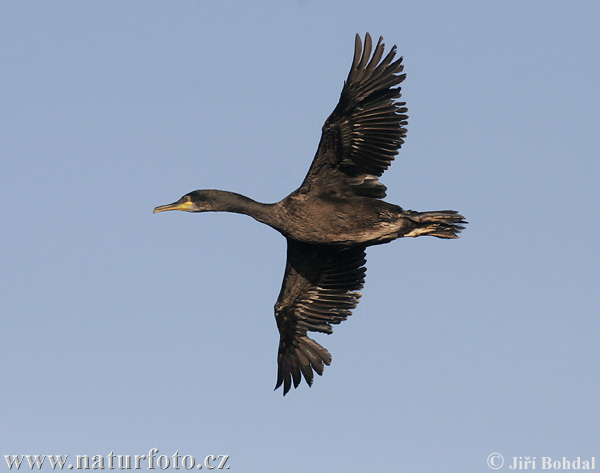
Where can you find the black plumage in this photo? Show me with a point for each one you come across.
(336, 213)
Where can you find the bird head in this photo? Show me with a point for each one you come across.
(196, 201)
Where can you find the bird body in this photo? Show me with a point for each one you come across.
(336, 212)
(322, 217)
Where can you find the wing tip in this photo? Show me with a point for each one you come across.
(301, 363)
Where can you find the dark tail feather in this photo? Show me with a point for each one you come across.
(441, 224)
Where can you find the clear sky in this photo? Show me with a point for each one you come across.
(125, 331)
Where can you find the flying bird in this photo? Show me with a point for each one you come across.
(336, 213)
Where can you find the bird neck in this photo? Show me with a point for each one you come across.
(226, 201)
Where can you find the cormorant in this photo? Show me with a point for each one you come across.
(336, 213)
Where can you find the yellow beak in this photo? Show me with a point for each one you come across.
(175, 206)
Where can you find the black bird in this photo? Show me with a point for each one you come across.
(336, 213)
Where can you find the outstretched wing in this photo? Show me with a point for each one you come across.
(363, 134)
(320, 289)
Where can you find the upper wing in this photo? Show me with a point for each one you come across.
(366, 129)
(319, 289)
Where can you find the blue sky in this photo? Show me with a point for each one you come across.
(125, 331)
